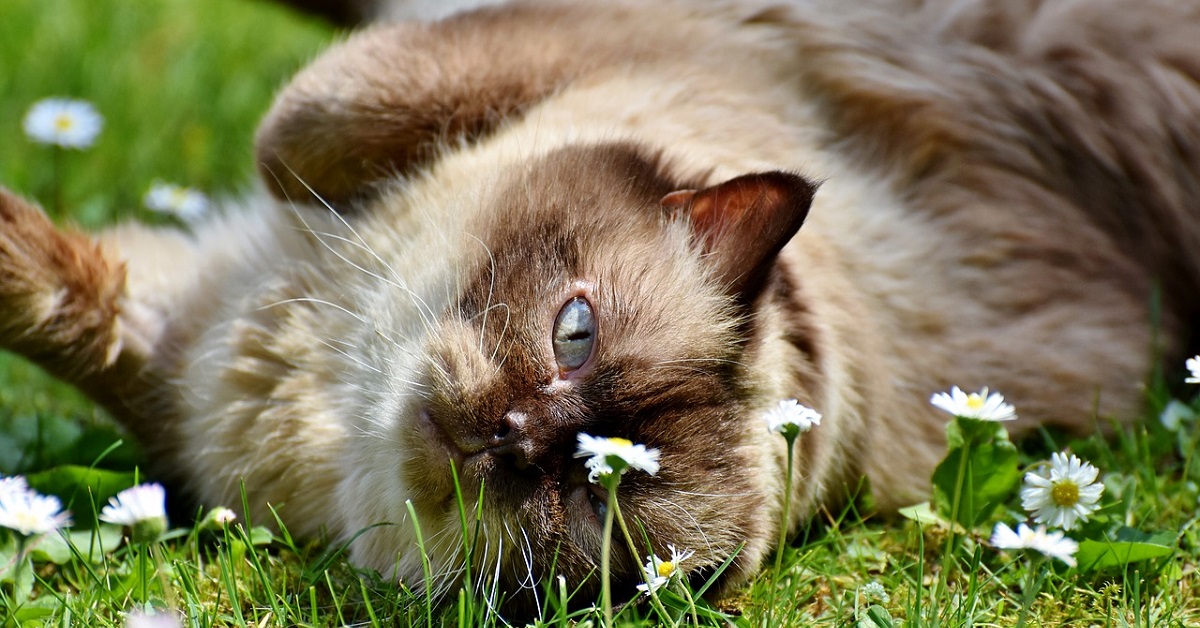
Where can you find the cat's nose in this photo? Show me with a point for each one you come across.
(511, 440)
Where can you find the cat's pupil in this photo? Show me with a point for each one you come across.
(598, 505)
(574, 333)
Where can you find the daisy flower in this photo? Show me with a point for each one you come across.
(1052, 544)
(1193, 365)
(220, 517)
(29, 513)
(875, 591)
(980, 405)
(141, 508)
(790, 418)
(606, 456)
(1070, 493)
(658, 572)
(63, 122)
(166, 198)
(139, 619)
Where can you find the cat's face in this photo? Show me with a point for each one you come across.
(597, 308)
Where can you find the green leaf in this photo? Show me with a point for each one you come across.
(923, 514)
(964, 429)
(1127, 545)
(876, 617)
(979, 473)
(260, 535)
(91, 545)
(82, 489)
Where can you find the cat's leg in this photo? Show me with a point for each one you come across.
(384, 103)
(65, 304)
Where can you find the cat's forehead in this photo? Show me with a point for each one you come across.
(582, 213)
(591, 216)
(606, 185)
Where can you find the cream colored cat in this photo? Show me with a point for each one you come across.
(495, 232)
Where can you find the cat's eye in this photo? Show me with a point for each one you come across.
(574, 334)
(599, 506)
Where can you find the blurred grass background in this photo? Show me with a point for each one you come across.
(182, 85)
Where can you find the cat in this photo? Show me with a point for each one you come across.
(492, 233)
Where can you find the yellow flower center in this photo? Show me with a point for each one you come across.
(666, 568)
(64, 123)
(624, 442)
(26, 521)
(1065, 493)
(974, 401)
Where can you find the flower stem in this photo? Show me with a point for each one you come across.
(56, 175)
(145, 594)
(614, 509)
(784, 519)
(1031, 589)
(610, 482)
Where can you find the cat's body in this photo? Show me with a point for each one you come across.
(1003, 193)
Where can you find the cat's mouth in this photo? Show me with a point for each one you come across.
(504, 463)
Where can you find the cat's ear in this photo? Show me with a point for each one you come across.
(743, 223)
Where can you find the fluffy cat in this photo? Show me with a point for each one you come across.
(497, 231)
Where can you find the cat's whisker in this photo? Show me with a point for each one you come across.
(503, 331)
(349, 356)
(494, 591)
(343, 309)
(686, 369)
(425, 313)
(530, 581)
(695, 523)
(487, 305)
(700, 360)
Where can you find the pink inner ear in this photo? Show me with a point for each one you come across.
(678, 199)
(744, 222)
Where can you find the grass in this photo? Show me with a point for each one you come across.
(181, 93)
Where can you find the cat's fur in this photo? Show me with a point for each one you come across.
(1004, 191)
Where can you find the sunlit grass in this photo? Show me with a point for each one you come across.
(182, 85)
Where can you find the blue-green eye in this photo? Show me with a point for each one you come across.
(574, 334)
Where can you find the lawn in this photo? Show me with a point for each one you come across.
(181, 85)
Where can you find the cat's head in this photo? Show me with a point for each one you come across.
(603, 297)
(593, 289)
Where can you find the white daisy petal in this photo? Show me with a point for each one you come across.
(1067, 496)
(875, 591)
(137, 619)
(1193, 366)
(1052, 544)
(614, 455)
(167, 198)
(658, 572)
(12, 484)
(789, 414)
(63, 122)
(981, 405)
(1056, 545)
(131, 506)
(28, 512)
